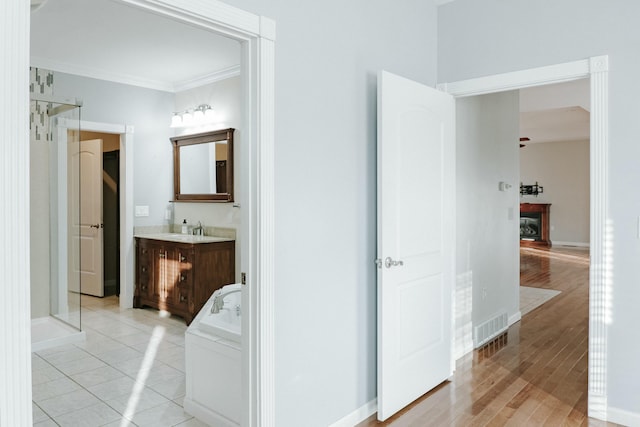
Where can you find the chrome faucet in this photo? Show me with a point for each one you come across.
(198, 230)
(218, 300)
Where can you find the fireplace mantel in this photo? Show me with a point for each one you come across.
(539, 229)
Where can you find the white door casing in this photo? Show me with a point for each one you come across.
(85, 215)
(257, 34)
(416, 236)
(600, 278)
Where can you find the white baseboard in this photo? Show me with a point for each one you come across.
(359, 415)
(515, 317)
(623, 417)
(571, 244)
(206, 415)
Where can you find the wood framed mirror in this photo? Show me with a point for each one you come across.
(203, 167)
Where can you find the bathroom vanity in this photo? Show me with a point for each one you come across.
(178, 273)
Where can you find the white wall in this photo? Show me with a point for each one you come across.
(327, 58)
(484, 37)
(149, 111)
(562, 169)
(225, 97)
(487, 258)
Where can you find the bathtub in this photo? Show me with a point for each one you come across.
(213, 362)
(226, 323)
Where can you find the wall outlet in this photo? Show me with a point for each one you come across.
(142, 210)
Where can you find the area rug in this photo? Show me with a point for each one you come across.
(532, 298)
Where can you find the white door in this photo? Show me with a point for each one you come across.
(416, 235)
(85, 215)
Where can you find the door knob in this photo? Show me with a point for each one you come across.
(389, 262)
(97, 226)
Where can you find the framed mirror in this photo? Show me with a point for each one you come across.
(203, 167)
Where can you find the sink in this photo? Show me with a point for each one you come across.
(184, 238)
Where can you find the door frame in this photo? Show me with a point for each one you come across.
(126, 212)
(597, 70)
(257, 36)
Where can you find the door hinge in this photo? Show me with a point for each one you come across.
(243, 278)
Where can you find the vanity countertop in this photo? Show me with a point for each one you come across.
(183, 238)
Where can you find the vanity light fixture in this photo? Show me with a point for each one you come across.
(202, 114)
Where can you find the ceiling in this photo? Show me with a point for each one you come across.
(555, 113)
(109, 40)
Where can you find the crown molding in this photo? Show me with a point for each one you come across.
(209, 78)
(128, 79)
(95, 73)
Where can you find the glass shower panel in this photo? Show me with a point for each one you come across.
(64, 212)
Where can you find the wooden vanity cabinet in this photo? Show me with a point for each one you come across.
(180, 277)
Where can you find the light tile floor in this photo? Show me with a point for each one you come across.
(129, 372)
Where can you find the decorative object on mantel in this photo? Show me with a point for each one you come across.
(530, 190)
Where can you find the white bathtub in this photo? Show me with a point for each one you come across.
(213, 362)
(228, 321)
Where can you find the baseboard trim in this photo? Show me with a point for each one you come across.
(620, 416)
(359, 415)
(515, 317)
(206, 415)
(571, 244)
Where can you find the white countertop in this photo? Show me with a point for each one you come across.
(184, 238)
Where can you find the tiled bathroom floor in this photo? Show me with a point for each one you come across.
(129, 372)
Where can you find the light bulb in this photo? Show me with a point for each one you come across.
(187, 118)
(198, 115)
(176, 120)
(209, 115)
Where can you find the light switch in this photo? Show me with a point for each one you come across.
(142, 210)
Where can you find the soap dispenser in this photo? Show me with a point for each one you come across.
(185, 227)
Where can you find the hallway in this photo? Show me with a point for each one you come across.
(534, 375)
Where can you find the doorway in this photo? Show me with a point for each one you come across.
(110, 209)
(257, 35)
(596, 69)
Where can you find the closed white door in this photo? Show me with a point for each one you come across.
(416, 235)
(85, 215)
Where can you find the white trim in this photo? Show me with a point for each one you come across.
(15, 275)
(126, 204)
(515, 317)
(96, 73)
(518, 79)
(596, 69)
(206, 79)
(570, 244)
(601, 239)
(257, 37)
(202, 413)
(56, 333)
(128, 79)
(359, 415)
(623, 417)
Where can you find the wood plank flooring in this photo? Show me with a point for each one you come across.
(535, 374)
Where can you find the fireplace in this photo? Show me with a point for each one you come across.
(530, 225)
(534, 224)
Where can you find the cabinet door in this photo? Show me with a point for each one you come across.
(143, 270)
(157, 287)
(183, 265)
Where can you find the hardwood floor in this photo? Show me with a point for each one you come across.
(535, 374)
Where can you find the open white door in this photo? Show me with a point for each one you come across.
(85, 215)
(416, 236)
